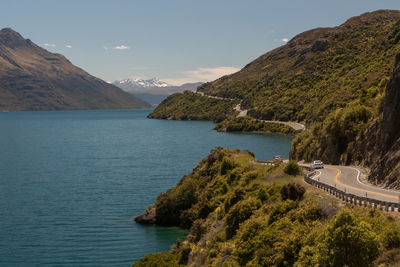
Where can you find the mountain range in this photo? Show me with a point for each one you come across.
(153, 90)
(32, 78)
(153, 86)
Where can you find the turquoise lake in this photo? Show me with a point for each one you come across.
(71, 182)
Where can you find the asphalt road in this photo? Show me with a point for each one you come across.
(243, 113)
(348, 179)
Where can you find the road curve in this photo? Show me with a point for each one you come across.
(243, 113)
(348, 179)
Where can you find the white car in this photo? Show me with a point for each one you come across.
(317, 164)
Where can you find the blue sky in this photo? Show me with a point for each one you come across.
(174, 40)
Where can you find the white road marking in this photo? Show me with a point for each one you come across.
(370, 186)
(317, 175)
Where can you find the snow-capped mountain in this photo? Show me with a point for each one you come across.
(153, 86)
(137, 84)
(153, 90)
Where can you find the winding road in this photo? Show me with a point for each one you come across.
(344, 178)
(243, 113)
(348, 180)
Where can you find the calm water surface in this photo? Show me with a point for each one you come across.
(71, 181)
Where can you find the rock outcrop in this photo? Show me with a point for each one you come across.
(385, 163)
(148, 217)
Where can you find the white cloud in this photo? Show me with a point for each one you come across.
(68, 46)
(201, 75)
(121, 47)
(285, 40)
(118, 47)
(49, 45)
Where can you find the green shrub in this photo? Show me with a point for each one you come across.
(292, 191)
(171, 204)
(262, 194)
(226, 166)
(197, 230)
(280, 210)
(184, 255)
(233, 198)
(391, 237)
(345, 124)
(238, 214)
(347, 241)
(164, 259)
(292, 168)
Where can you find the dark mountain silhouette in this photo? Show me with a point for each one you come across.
(32, 78)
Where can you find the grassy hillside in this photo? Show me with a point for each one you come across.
(246, 124)
(318, 71)
(192, 106)
(243, 213)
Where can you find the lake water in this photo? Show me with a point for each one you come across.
(71, 181)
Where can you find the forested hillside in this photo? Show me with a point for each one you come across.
(243, 213)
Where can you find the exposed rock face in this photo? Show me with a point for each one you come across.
(149, 217)
(32, 78)
(386, 137)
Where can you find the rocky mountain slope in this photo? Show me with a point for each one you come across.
(386, 168)
(32, 78)
(379, 145)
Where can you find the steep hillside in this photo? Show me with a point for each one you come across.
(332, 79)
(32, 78)
(379, 144)
(316, 72)
(387, 168)
(242, 213)
(192, 106)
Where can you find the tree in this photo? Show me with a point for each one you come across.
(292, 191)
(292, 168)
(351, 242)
(347, 241)
(164, 259)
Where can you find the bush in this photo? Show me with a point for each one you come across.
(197, 230)
(292, 168)
(233, 198)
(238, 214)
(171, 204)
(184, 255)
(391, 238)
(292, 191)
(347, 241)
(158, 260)
(226, 166)
(280, 210)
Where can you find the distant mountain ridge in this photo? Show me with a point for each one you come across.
(32, 78)
(153, 86)
(138, 83)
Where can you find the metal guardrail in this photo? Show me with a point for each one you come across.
(350, 198)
